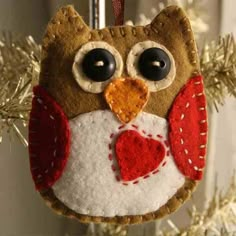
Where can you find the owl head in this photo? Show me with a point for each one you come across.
(118, 121)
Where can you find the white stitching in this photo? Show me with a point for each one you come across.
(195, 168)
(199, 94)
(33, 144)
(40, 101)
(201, 122)
(34, 168)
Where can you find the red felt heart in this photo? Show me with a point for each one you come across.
(136, 155)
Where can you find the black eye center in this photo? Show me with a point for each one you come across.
(154, 64)
(99, 64)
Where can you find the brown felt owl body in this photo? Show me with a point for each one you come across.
(118, 123)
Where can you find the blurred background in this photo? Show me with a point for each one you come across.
(22, 211)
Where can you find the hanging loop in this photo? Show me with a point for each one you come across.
(118, 9)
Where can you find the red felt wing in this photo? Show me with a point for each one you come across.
(49, 140)
(188, 129)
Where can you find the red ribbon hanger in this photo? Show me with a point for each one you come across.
(118, 9)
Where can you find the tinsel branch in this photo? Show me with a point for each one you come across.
(107, 230)
(219, 218)
(218, 65)
(19, 71)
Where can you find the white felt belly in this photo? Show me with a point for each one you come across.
(89, 184)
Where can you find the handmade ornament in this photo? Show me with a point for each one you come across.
(118, 126)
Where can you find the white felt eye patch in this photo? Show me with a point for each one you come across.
(87, 84)
(132, 64)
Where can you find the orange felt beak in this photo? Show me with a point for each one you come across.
(126, 97)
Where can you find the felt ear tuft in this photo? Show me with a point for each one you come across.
(65, 33)
(68, 14)
(66, 23)
(171, 14)
(172, 25)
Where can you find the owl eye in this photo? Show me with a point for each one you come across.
(153, 63)
(95, 64)
(99, 64)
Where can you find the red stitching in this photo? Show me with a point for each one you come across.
(130, 143)
(135, 126)
(121, 127)
(113, 168)
(167, 143)
(147, 176)
(155, 172)
(164, 163)
(110, 157)
(118, 178)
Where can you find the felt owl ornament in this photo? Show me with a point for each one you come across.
(118, 126)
